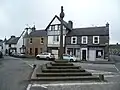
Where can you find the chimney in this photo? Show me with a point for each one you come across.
(33, 28)
(107, 24)
(12, 36)
(70, 24)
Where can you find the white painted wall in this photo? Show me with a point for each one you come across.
(13, 45)
(5, 46)
(56, 21)
(20, 42)
(51, 43)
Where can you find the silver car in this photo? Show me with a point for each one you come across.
(46, 55)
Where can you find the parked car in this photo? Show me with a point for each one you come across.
(1, 54)
(69, 57)
(46, 55)
(21, 55)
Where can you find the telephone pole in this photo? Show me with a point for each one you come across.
(61, 33)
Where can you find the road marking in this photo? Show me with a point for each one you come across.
(27, 63)
(117, 69)
(99, 72)
(111, 75)
(29, 86)
(67, 84)
(38, 85)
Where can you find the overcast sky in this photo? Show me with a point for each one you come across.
(15, 14)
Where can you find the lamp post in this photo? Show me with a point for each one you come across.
(61, 33)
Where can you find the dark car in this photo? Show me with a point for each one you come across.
(1, 55)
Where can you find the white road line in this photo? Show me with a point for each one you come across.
(67, 84)
(111, 75)
(99, 72)
(38, 85)
(29, 86)
(117, 69)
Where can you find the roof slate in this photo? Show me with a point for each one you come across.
(38, 33)
(90, 31)
(12, 40)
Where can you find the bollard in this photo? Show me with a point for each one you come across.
(101, 76)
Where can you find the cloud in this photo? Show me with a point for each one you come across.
(15, 14)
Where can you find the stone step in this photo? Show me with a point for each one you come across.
(61, 64)
(49, 66)
(81, 78)
(61, 61)
(63, 74)
(44, 69)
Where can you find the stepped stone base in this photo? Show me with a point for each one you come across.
(62, 71)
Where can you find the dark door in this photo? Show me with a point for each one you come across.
(36, 51)
(83, 54)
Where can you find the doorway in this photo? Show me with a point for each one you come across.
(36, 51)
(84, 54)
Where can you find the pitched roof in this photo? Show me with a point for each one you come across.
(12, 40)
(90, 31)
(64, 23)
(25, 35)
(38, 33)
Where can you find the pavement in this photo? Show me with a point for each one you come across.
(14, 74)
(19, 70)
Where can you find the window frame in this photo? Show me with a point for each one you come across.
(94, 39)
(41, 40)
(86, 38)
(59, 26)
(56, 38)
(73, 40)
(52, 27)
(31, 40)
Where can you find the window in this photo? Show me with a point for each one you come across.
(58, 27)
(84, 40)
(99, 53)
(30, 51)
(42, 40)
(9, 45)
(64, 27)
(30, 40)
(53, 27)
(73, 40)
(95, 39)
(56, 38)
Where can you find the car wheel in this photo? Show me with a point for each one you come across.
(47, 58)
(71, 60)
(38, 58)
